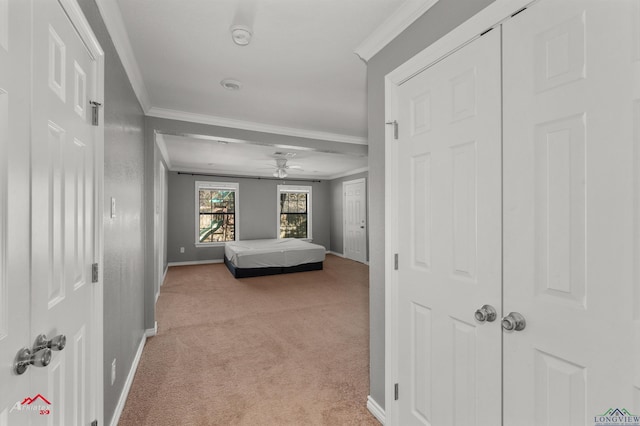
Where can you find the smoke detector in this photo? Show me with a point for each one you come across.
(231, 84)
(241, 35)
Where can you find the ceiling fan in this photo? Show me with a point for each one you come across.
(282, 167)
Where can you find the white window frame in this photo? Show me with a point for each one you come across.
(228, 186)
(301, 189)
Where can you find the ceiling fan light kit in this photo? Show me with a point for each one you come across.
(280, 173)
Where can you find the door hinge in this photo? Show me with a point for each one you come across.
(395, 261)
(94, 273)
(393, 123)
(94, 423)
(395, 392)
(95, 116)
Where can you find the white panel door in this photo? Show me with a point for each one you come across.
(449, 209)
(14, 202)
(571, 211)
(62, 215)
(355, 220)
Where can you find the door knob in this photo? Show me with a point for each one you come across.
(514, 322)
(55, 344)
(26, 357)
(486, 313)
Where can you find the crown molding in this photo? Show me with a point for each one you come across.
(395, 24)
(256, 127)
(115, 26)
(349, 173)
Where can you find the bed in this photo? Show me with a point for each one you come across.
(253, 258)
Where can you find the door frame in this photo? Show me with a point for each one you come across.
(470, 30)
(344, 215)
(86, 34)
(159, 224)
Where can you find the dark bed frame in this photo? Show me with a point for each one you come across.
(272, 270)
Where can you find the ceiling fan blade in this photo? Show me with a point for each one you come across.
(295, 167)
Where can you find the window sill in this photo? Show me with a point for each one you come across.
(216, 244)
(309, 240)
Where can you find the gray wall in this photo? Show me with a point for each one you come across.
(438, 21)
(257, 213)
(123, 235)
(337, 220)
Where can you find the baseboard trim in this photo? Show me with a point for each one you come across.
(164, 275)
(127, 384)
(195, 262)
(375, 409)
(150, 332)
(366, 262)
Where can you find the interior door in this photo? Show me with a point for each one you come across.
(449, 179)
(570, 212)
(355, 214)
(62, 215)
(14, 202)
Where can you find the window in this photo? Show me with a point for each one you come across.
(216, 212)
(294, 211)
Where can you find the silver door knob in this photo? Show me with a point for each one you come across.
(514, 322)
(26, 357)
(486, 313)
(55, 344)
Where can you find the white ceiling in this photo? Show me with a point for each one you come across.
(204, 154)
(300, 75)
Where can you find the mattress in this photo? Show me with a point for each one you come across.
(273, 253)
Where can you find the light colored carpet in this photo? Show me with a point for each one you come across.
(288, 349)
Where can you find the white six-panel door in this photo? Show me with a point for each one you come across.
(570, 211)
(355, 220)
(449, 239)
(62, 212)
(48, 202)
(14, 203)
(566, 184)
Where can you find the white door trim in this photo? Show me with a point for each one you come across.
(344, 214)
(468, 31)
(77, 18)
(159, 225)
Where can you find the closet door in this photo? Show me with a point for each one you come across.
(571, 212)
(449, 239)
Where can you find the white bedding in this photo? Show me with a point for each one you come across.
(277, 252)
